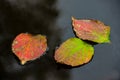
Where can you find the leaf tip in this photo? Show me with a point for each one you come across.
(23, 62)
(72, 18)
(108, 41)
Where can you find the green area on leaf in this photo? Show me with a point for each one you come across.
(74, 52)
(91, 30)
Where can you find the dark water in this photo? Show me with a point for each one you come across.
(53, 19)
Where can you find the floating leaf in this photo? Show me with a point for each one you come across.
(28, 47)
(92, 30)
(74, 52)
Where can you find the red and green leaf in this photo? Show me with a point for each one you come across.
(28, 47)
(74, 52)
(92, 30)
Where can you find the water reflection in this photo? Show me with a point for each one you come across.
(33, 16)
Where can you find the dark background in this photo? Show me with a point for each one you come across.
(53, 19)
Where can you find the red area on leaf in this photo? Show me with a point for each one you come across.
(82, 25)
(92, 30)
(27, 47)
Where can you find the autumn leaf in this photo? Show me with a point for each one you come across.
(92, 30)
(74, 52)
(28, 47)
